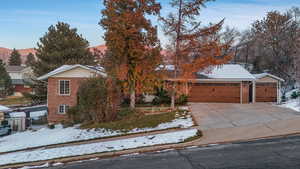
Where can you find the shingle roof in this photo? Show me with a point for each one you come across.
(64, 68)
(14, 68)
(17, 81)
(227, 71)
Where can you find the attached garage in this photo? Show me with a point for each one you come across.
(231, 83)
(215, 92)
(267, 88)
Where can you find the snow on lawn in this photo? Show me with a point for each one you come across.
(46, 136)
(116, 145)
(292, 104)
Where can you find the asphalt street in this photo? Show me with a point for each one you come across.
(279, 153)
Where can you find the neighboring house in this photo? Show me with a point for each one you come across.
(20, 77)
(231, 83)
(63, 84)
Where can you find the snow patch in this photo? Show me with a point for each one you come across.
(292, 104)
(40, 166)
(3, 108)
(46, 136)
(84, 149)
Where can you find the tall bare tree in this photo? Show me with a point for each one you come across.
(193, 47)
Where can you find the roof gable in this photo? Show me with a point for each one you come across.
(65, 68)
(262, 75)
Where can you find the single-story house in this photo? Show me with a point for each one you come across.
(232, 83)
(63, 84)
(228, 83)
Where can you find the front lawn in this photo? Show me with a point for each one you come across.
(128, 123)
(138, 119)
(98, 147)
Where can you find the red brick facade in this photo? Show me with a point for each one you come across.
(55, 99)
(22, 89)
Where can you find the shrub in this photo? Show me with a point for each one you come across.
(51, 126)
(182, 99)
(161, 97)
(283, 98)
(98, 101)
(67, 123)
(295, 95)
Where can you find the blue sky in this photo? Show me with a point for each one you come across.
(23, 22)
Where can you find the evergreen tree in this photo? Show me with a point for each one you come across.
(30, 60)
(5, 81)
(15, 58)
(61, 45)
(133, 49)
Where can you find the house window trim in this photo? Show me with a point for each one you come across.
(59, 93)
(65, 111)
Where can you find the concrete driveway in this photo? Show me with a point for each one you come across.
(227, 115)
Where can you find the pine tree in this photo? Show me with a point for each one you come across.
(192, 47)
(133, 49)
(61, 45)
(15, 58)
(30, 60)
(5, 81)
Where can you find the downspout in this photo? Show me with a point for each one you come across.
(253, 91)
(278, 92)
(241, 92)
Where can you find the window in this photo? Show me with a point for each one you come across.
(64, 87)
(63, 108)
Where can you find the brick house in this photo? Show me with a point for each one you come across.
(229, 83)
(62, 87)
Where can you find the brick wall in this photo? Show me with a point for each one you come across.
(22, 89)
(54, 99)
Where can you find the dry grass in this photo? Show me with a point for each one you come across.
(14, 101)
(129, 120)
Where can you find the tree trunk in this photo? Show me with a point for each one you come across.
(178, 33)
(132, 99)
(173, 99)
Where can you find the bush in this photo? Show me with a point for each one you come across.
(67, 124)
(98, 101)
(161, 97)
(295, 95)
(51, 126)
(182, 100)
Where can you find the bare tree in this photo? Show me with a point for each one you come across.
(272, 45)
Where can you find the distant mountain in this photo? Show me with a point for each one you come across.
(5, 52)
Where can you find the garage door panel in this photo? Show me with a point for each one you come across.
(266, 92)
(220, 92)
